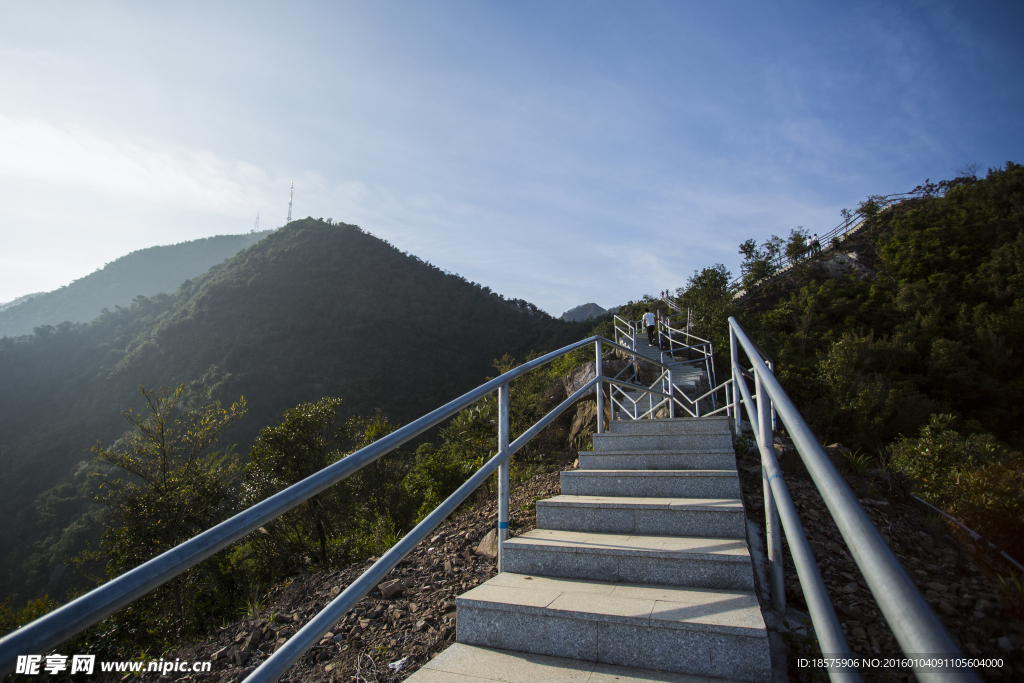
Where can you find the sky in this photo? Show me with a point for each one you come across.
(559, 152)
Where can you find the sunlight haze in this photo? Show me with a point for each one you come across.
(559, 152)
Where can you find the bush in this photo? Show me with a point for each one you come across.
(973, 477)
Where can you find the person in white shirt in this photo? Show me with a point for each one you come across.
(649, 322)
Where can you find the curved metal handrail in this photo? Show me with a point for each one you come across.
(86, 610)
(914, 625)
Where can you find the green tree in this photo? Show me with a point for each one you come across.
(796, 246)
(707, 295)
(173, 486)
(337, 525)
(758, 262)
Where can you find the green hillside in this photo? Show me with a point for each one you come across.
(910, 353)
(313, 310)
(146, 272)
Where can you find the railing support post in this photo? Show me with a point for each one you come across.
(671, 396)
(598, 372)
(502, 471)
(771, 512)
(737, 376)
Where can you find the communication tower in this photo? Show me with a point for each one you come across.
(257, 228)
(291, 196)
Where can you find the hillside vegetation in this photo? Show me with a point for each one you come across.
(913, 357)
(144, 272)
(312, 311)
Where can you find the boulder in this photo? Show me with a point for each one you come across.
(839, 265)
(390, 589)
(488, 545)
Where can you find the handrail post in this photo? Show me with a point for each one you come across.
(771, 513)
(502, 471)
(598, 372)
(671, 395)
(736, 377)
(771, 369)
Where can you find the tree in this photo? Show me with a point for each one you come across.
(759, 262)
(337, 525)
(176, 486)
(307, 441)
(796, 247)
(707, 295)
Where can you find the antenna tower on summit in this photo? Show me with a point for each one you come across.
(291, 196)
(257, 228)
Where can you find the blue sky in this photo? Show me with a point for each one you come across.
(560, 152)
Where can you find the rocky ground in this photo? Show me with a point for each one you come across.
(391, 632)
(957, 577)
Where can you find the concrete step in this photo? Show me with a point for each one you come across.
(678, 425)
(617, 441)
(652, 483)
(703, 517)
(681, 459)
(462, 663)
(663, 560)
(685, 630)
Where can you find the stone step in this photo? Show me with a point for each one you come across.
(652, 483)
(705, 459)
(473, 664)
(685, 630)
(617, 441)
(703, 517)
(678, 425)
(664, 560)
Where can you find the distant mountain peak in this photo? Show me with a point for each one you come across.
(583, 312)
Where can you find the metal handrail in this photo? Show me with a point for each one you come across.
(282, 659)
(86, 610)
(782, 262)
(914, 625)
(688, 334)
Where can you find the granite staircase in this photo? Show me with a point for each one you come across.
(689, 376)
(641, 565)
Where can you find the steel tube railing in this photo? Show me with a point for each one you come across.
(64, 622)
(67, 620)
(827, 628)
(598, 371)
(289, 653)
(773, 536)
(912, 622)
(503, 483)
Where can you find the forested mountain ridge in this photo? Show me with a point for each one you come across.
(19, 300)
(903, 342)
(313, 310)
(145, 272)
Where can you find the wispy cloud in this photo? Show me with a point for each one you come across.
(151, 170)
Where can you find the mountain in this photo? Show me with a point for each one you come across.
(20, 299)
(144, 272)
(584, 312)
(312, 310)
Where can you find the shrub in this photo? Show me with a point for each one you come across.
(973, 477)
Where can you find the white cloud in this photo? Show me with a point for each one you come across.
(146, 169)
